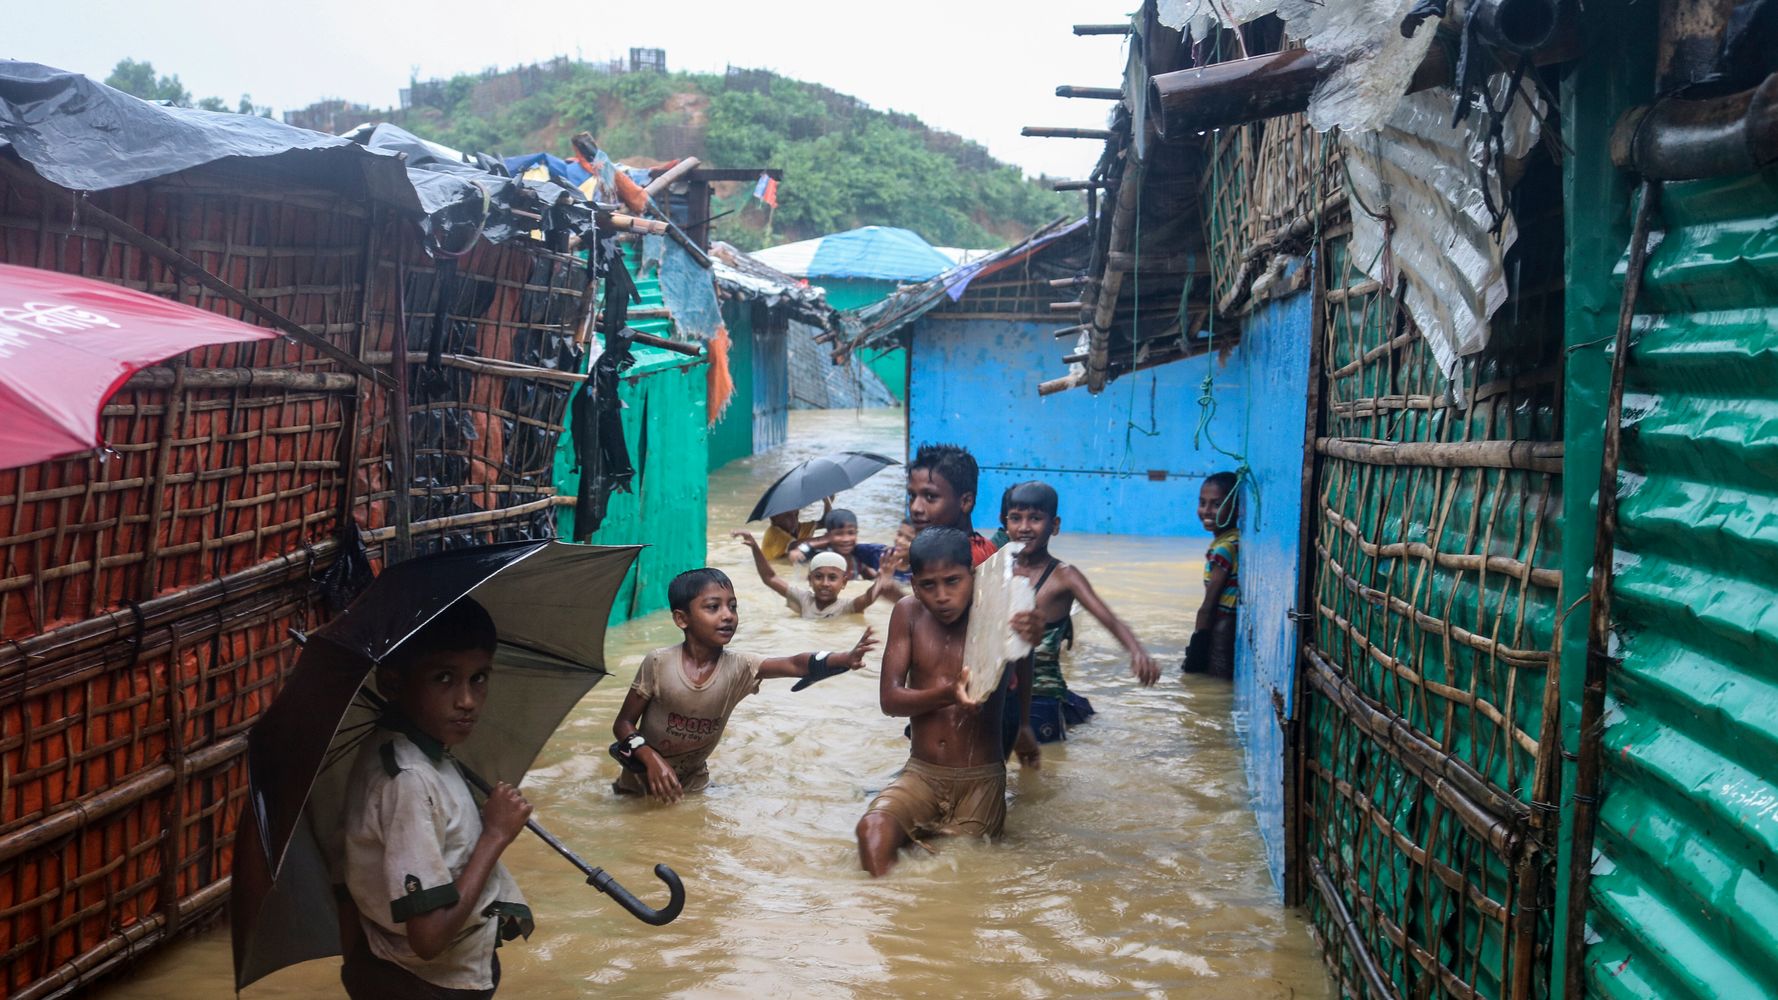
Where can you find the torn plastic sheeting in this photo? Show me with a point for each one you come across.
(455, 194)
(1363, 37)
(86, 136)
(1423, 175)
(687, 287)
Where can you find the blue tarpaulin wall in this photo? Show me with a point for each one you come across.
(1274, 363)
(1123, 461)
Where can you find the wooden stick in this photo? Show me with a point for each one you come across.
(632, 224)
(1063, 307)
(1590, 762)
(1062, 132)
(463, 520)
(1177, 263)
(1102, 29)
(1375, 983)
(126, 945)
(1091, 93)
(1077, 185)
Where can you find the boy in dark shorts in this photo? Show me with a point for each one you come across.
(941, 493)
(1212, 649)
(683, 695)
(955, 779)
(423, 864)
(1032, 519)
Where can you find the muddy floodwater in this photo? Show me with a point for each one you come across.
(1131, 864)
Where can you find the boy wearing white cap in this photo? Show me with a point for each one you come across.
(827, 577)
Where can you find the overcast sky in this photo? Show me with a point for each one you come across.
(981, 68)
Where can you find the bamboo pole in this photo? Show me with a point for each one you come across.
(1118, 241)
(1533, 456)
(462, 520)
(1375, 983)
(242, 378)
(1077, 186)
(1091, 93)
(1065, 132)
(631, 224)
(1590, 762)
(1102, 29)
(123, 946)
(671, 174)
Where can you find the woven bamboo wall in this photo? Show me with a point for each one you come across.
(147, 594)
(1425, 763)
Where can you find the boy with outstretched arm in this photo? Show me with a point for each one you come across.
(423, 864)
(1031, 518)
(955, 779)
(683, 695)
(827, 577)
(941, 493)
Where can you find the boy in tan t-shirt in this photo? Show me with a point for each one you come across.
(683, 695)
(827, 577)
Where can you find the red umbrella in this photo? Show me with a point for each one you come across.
(68, 343)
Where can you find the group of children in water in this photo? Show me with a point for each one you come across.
(424, 866)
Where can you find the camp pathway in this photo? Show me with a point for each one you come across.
(1131, 865)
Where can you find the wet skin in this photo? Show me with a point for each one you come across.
(1034, 529)
(932, 500)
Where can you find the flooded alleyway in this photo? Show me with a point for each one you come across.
(1131, 865)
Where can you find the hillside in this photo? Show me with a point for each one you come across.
(845, 164)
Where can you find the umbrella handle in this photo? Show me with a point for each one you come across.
(599, 879)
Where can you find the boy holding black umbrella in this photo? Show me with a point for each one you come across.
(422, 862)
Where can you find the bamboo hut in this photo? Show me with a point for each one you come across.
(149, 593)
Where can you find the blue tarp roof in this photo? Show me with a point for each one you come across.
(880, 252)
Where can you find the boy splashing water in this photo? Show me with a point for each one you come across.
(1031, 518)
(955, 779)
(681, 700)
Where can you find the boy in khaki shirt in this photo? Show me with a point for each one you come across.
(422, 862)
(683, 695)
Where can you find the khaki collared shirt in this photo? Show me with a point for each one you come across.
(410, 827)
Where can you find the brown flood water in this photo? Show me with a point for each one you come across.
(1131, 865)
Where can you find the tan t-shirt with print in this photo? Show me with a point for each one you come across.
(683, 722)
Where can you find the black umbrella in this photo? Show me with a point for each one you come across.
(817, 478)
(549, 602)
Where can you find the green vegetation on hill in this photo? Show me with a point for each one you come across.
(845, 164)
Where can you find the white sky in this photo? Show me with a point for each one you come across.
(980, 68)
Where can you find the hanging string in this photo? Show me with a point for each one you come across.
(1207, 401)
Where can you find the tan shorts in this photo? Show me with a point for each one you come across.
(957, 801)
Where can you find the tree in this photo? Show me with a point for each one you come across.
(138, 79)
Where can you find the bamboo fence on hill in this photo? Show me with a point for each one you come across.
(148, 593)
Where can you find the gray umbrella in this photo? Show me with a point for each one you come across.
(817, 478)
(549, 602)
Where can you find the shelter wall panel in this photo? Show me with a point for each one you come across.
(1684, 891)
(1427, 762)
(972, 385)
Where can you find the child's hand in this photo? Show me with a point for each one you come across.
(663, 784)
(746, 537)
(960, 692)
(504, 813)
(866, 643)
(1027, 626)
(1144, 667)
(1029, 750)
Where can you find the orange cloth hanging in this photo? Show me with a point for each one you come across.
(721, 383)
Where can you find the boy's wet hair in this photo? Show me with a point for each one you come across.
(463, 625)
(1223, 480)
(938, 546)
(839, 517)
(686, 587)
(1034, 495)
(952, 462)
(1006, 502)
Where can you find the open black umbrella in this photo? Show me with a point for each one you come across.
(817, 478)
(549, 602)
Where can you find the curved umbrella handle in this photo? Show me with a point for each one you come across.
(601, 880)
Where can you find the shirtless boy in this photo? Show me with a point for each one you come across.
(955, 780)
(1031, 518)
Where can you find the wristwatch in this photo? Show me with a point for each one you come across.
(634, 743)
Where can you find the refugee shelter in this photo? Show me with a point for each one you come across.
(1500, 274)
(151, 594)
(860, 267)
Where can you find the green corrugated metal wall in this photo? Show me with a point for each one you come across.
(666, 509)
(890, 365)
(1685, 885)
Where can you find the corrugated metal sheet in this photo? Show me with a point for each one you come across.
(1685, 886)
(771, 386)
(732, 436)
(1275, 361)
